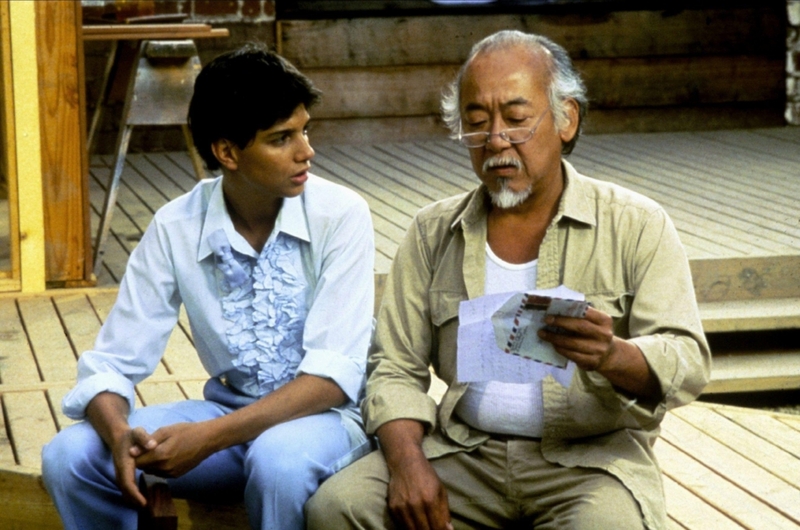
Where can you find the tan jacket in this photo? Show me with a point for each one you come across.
(616, 246)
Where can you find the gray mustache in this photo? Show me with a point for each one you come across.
(498, 161)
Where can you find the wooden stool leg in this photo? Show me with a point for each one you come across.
(160, 513)
(197, 162)
(111, 196)
(101, 100)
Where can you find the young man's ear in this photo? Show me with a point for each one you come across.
(226, 153)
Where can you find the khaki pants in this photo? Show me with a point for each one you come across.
(502, 484)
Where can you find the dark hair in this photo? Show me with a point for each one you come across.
(242, 92)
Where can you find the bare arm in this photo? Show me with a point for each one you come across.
(417, 498)
(183, 446)
(593, 346)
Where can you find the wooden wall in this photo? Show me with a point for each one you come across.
(645, 70)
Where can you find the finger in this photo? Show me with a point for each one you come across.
(407, 519)
(130, 490)
(142, 442)
(596, 316)
(411, 515)
(439, 514)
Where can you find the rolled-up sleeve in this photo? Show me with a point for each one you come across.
(133, 337)
(399, 362)
(664, 319)
(339, 322)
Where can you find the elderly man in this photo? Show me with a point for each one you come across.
(554, 452)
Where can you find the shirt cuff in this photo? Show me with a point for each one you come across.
(75, 402)
(395, 402)
(333, 365)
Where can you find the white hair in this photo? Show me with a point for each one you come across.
(565, 82)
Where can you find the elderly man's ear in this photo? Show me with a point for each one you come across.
(568, 131)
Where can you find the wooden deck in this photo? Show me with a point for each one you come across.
(732, 195)
(724, 467)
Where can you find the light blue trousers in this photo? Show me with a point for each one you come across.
(275, 474)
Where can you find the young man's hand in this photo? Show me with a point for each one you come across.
(108, 414)
(178, 449)
(123, 449)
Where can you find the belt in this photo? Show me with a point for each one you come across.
(512, 437)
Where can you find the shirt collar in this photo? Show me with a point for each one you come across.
(292, 220)
(574, 204)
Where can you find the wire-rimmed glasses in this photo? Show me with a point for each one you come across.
(515, 135)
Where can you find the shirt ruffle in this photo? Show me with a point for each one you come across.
(266, 311)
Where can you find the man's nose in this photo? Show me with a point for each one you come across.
(306, 152)
(495, 141)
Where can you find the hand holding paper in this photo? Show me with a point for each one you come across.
(517, 322)
(485, 328)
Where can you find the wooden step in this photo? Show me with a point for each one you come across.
(748, 372)
(749, 315)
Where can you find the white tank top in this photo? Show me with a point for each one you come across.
(506, 408)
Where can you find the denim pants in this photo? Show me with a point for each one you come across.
(275, 474)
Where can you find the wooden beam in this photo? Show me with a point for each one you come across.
(415, 90)
(22, 15)
(152, 31)
(759, 278)
(750, 315)
(438, 40)
(26, 504)
(684, 118)
(752, 372)
(59, 50)
(10, 280)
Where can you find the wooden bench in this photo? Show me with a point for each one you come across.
(724, 467)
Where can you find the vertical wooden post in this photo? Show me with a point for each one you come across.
(59, 47)
(9, 279)
(25, 82)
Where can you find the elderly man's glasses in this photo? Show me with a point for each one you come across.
(516, 135)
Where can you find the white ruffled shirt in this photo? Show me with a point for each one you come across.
(303, 305)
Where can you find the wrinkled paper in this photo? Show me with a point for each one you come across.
(498, 336)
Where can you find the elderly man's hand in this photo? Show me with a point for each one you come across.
(417, 499)
(590, 343)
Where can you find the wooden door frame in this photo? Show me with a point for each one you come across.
(22, 147)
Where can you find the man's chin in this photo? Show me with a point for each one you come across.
(507, 198)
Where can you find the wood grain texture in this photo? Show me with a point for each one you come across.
(63, 130)
(431, 40)
(9, 278)
(415, 90)
(724, 467)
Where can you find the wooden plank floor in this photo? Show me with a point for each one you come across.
(730, 193)
(724, 467)
(733, 196)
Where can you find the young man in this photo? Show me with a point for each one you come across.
(275, 269)
(568, 447)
